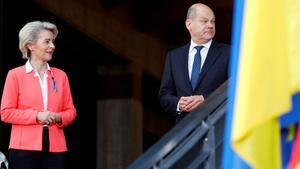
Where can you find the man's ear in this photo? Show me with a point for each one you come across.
(188, 23)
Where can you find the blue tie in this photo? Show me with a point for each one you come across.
(196, 67)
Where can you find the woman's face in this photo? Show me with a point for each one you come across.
(44, 47)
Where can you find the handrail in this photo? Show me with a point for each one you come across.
(3, 161)
(176, 139)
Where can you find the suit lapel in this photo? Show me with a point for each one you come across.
(212, 55)
(184, 57)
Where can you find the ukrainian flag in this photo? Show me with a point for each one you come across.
(265, 69)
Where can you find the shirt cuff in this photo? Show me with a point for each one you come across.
(177, 109)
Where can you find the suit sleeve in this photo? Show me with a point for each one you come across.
(9, 104)
(167, 93)
(68, 113)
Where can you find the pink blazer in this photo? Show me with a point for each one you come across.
(22, 100)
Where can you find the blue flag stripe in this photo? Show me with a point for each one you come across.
(230, 159)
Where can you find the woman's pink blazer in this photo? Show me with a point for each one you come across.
(22, 100)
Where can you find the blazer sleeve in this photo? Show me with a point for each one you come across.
(167, 93)
(9, 102)
(68, 113)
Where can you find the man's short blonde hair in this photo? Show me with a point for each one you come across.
(29, 34)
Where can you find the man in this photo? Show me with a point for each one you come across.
(185, 84)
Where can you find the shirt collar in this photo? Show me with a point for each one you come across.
(29, 68)
(206, 45)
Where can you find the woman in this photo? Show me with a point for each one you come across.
(37, 102)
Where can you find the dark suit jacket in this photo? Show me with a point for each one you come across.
(175, 80)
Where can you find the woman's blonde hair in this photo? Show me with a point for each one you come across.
(29, 34)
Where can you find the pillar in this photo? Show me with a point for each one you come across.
(119, 116)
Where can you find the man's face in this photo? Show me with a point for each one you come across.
(202, 26)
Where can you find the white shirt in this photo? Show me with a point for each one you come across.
(192, 52)
(43, 82)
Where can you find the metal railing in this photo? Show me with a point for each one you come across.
(3, 161)
(194, 143)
